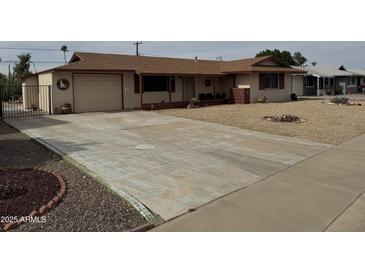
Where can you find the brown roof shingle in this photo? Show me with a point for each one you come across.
(142, 64)
(82, 61)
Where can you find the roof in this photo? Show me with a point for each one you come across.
(359, 72)
(326, 70)
(257, 65)
(83, 61)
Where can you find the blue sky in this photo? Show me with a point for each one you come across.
(351, 54)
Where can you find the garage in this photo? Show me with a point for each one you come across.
(97, 92)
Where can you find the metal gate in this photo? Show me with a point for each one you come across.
(21, 101)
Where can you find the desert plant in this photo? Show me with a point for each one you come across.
(340, 100)
(293, 97)
(261, 99)
(194, 103)
(330, 91)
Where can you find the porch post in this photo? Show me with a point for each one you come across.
(214, 85)
(194, 86)
(141, 89)
(318, 92)
(169, 87)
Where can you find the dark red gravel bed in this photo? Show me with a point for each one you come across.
(25, 190)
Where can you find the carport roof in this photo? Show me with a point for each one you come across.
(82, 61)
(326, 70)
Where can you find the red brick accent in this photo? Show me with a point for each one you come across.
(241, 96)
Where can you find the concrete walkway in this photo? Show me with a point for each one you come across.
(171, 165)
(322, 193)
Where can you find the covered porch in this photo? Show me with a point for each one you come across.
(173, 91)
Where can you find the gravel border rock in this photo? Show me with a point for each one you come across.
(330, 124)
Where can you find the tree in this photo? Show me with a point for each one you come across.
(299, 59)
(64, 49)
(284, 56)
(314, 63)
(22, 68)
(3, 80)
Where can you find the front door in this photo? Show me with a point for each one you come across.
(188, 88)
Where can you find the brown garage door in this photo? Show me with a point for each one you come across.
(97, 92)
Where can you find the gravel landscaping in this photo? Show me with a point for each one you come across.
(331, 124)
(87, 205)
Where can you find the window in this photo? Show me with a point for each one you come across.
(320, 83)
(326, 82)
(351, 81)
(309, 82)
(331, 82)
(271, 80)
(155, 83)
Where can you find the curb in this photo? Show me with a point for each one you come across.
(148, 214)
(45, 207)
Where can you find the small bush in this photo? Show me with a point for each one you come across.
(340, 100)
(293, 97)
(261, 99)
(209, 96)
(220, 95)
(330, 91)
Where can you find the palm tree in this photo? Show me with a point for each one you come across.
(64, 49)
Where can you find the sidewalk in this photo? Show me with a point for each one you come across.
(322, 193)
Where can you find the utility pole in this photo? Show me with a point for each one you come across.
(137, 47)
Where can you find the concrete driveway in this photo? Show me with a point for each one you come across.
(171, 165)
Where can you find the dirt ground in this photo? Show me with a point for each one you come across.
(331, 124)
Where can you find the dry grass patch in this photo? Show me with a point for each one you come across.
(330, 124)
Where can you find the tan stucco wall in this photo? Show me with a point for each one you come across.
(224, 84)
(200, 85)
(298, 84)
(30, 92)
(155, 97)
(177, 96)
(243, 79)
(131, 100)
(44, 79)
(272, 95)
(61, 97)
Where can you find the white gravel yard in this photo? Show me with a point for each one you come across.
(331, 124)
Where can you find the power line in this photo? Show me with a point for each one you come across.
(38, 62)
(14, 48)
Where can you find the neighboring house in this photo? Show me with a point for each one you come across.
(320, 78)
(102, 82)
(360, 78)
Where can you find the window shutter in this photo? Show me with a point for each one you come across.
(137, 85)
(281, 80)
(261, 81)
(172, 83)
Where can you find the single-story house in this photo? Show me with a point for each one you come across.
(103, 82)
(321, 78)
